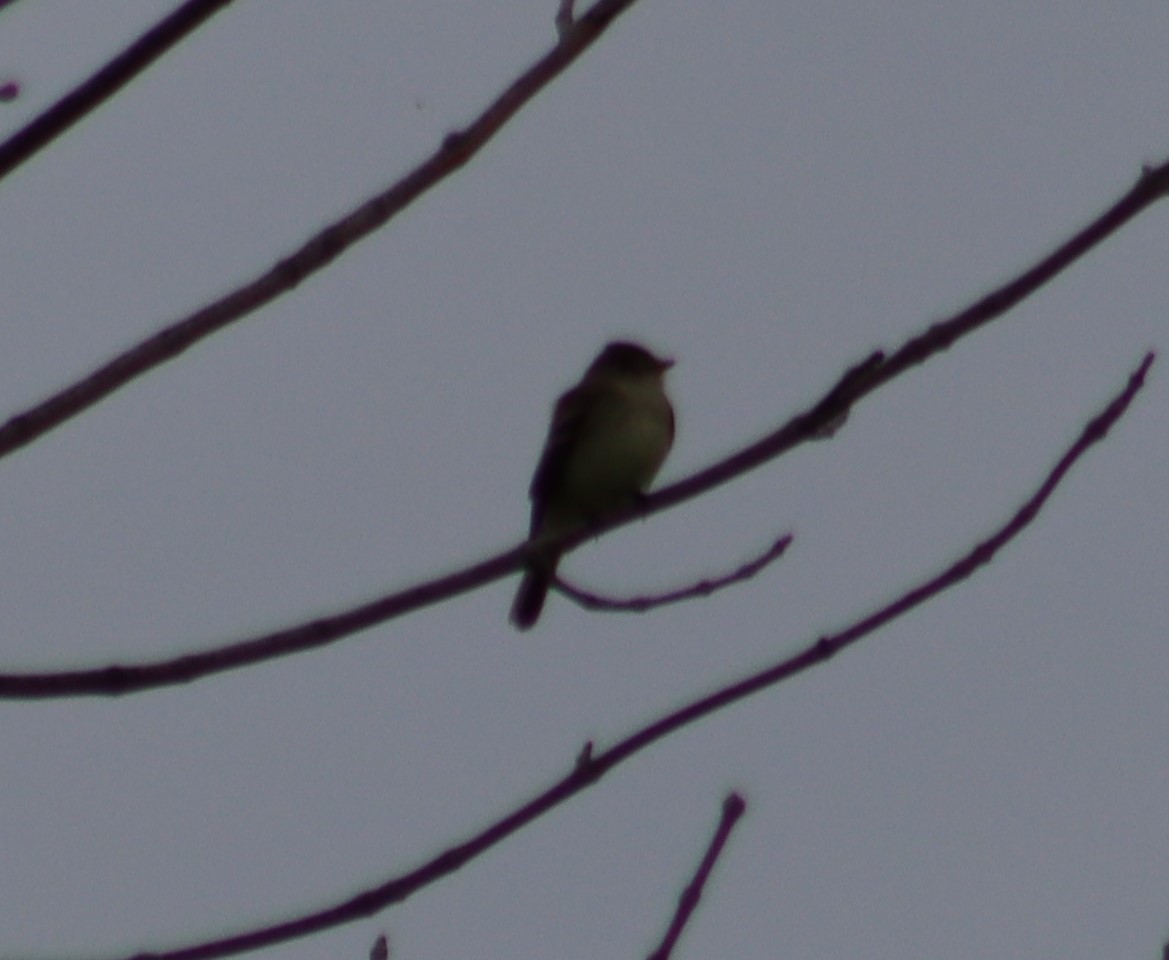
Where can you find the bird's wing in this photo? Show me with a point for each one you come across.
(569, 418)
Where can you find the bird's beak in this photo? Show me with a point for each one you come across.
(664, 363)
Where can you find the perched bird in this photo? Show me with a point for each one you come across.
(609, 435)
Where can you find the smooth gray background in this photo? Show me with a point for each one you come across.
(765, 190)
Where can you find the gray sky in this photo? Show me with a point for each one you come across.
(766, 191)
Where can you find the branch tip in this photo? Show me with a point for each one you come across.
(734, 806)
(565, 19)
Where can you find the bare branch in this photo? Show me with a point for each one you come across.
(588, 767)
(703, 588)
(106, 82)
(733, 808)
(320, 250)
(117, 680)
(1152, 185)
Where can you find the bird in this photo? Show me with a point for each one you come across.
(608, 438)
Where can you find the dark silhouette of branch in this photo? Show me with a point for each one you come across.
(589, 767)
(733, 808)
(856, 383)
(95, 90)
(320, 250)
(1152, 185)
(703, 588)
(116, 680)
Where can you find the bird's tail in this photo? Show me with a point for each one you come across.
(529, 598)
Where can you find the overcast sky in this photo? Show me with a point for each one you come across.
(764, 190)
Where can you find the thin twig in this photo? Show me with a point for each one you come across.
(588, 767)
(703, 588)
(102, 85)
(733, 808)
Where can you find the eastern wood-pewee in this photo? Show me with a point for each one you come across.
(609, 435)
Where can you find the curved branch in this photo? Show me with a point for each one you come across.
(858, 382)
(319, 251)
(1151, 186)
(703, 588)
(861, 380)
(589, 768)
(95, 90)
(118, 680)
